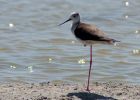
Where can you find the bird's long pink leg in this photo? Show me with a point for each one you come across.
(89, 68)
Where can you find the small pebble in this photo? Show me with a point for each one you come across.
(118, 94)
(75, 88)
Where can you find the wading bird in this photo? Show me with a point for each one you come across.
(88, 35)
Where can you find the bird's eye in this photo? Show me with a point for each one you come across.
(74, 15)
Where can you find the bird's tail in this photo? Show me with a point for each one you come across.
(112, 41)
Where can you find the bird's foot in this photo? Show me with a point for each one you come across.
(89, 90)
(86, 89)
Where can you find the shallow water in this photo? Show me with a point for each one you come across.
(34, 49)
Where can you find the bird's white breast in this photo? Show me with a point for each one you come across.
(73, 27)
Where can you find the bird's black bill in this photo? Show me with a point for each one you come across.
(64, 22)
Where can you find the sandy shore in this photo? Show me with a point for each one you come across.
(66, 91)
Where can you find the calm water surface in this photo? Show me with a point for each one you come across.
(33, 49)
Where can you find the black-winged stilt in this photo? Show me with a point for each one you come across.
(88, 35)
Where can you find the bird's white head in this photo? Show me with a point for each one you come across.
(75, 17)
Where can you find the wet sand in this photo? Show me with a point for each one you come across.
(67, 91)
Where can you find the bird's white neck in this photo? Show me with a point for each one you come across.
(74, 25)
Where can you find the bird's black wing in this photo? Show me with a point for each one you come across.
(89, 32)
